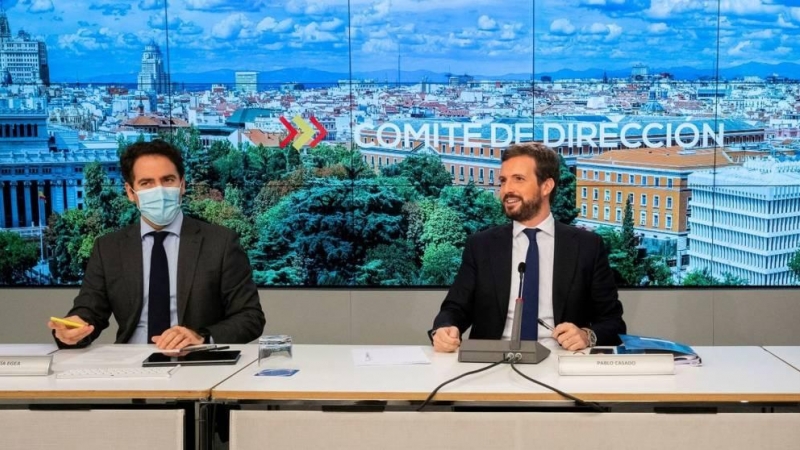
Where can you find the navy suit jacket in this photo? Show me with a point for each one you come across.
(584, 292)
(216, 291)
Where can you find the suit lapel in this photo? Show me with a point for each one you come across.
(565, 262)
(131, 252)
(501, 263)
(188, 252)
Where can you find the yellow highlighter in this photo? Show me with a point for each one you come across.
(68, 323)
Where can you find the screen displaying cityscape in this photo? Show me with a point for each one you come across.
(358, 143)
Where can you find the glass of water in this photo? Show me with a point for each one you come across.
(274, 346)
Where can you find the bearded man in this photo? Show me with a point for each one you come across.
(568, 287)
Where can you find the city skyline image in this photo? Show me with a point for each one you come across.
(678, 124)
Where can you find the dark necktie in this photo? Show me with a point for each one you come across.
(530, 289)
(158, 304)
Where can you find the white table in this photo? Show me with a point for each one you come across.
(729, 374)
(327, 376)
(126, 413)
(788, 354)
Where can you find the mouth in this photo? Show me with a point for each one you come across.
(511, 201)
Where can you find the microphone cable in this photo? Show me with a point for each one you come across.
(433, 393)
(511, 361)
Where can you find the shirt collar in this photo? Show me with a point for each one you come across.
(547, 226)
(174, 227)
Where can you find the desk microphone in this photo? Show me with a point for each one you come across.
(516, 324)
(515, 350)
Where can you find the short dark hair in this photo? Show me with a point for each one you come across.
(156, 147)
(548, 163)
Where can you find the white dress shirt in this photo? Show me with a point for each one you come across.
(545, 238)
(171, 245)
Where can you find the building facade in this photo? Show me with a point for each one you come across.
(152, 76)
(746, 221)
(656, 182)
(246, 81)
(41, 169)
(22, 59)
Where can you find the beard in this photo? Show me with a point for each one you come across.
(527, 210)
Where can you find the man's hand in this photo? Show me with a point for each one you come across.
(446, 339)
(570, 337)
(71, 336)
(177, 337)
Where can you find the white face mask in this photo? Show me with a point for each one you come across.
(160, 205)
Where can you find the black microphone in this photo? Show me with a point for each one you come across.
(516, 324)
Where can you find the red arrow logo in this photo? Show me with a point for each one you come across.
(292, 132)
(322, 132)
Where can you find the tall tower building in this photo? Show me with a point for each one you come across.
(152, 77)
(23, 59)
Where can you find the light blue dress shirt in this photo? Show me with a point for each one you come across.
(171, 245)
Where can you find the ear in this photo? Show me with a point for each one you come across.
(547, 187)
(183, 186)
(130, 193)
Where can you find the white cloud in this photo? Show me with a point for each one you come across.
(614, 31)
(662, 9)
(233, 26)
(313, 33)
(782, 51)
(379, 46)
(509, 32)
(41, 6)
(486, 23)
(740, 48)
(149, 5)
(598, 28)
(783, 23)
(331, 25)
(309, 7)
(658, 28)
(761, 34)
(272, 25)
(562, 26)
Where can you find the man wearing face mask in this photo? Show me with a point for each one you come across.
(169, 280)
(570, 299)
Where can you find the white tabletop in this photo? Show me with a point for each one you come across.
(789, 354)
(329, 373)
(185, 383)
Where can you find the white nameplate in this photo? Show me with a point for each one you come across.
(662, 364)
(25, 365)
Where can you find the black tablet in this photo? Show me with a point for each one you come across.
(193, 359)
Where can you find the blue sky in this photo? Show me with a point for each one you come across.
(489, 37)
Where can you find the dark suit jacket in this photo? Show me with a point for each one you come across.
(584, 292)
(215, 286)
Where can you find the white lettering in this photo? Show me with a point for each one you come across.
(646, 135)
(495, 127)
(695, 133)
(623, 135)
(397, 135)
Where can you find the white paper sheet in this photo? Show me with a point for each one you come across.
(111, 355)
(389, 356)
(27, 349)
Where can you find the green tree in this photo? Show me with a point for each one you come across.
(441, 227)
(477, 209)
(70, 237)
(623, 252)
(699, 277)
(328, 227)
(794, 264)
(440, 264)
(106, 199)
(656, 271)
(17, 256)
(563, 207)
(426, 173)
(389, 265)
